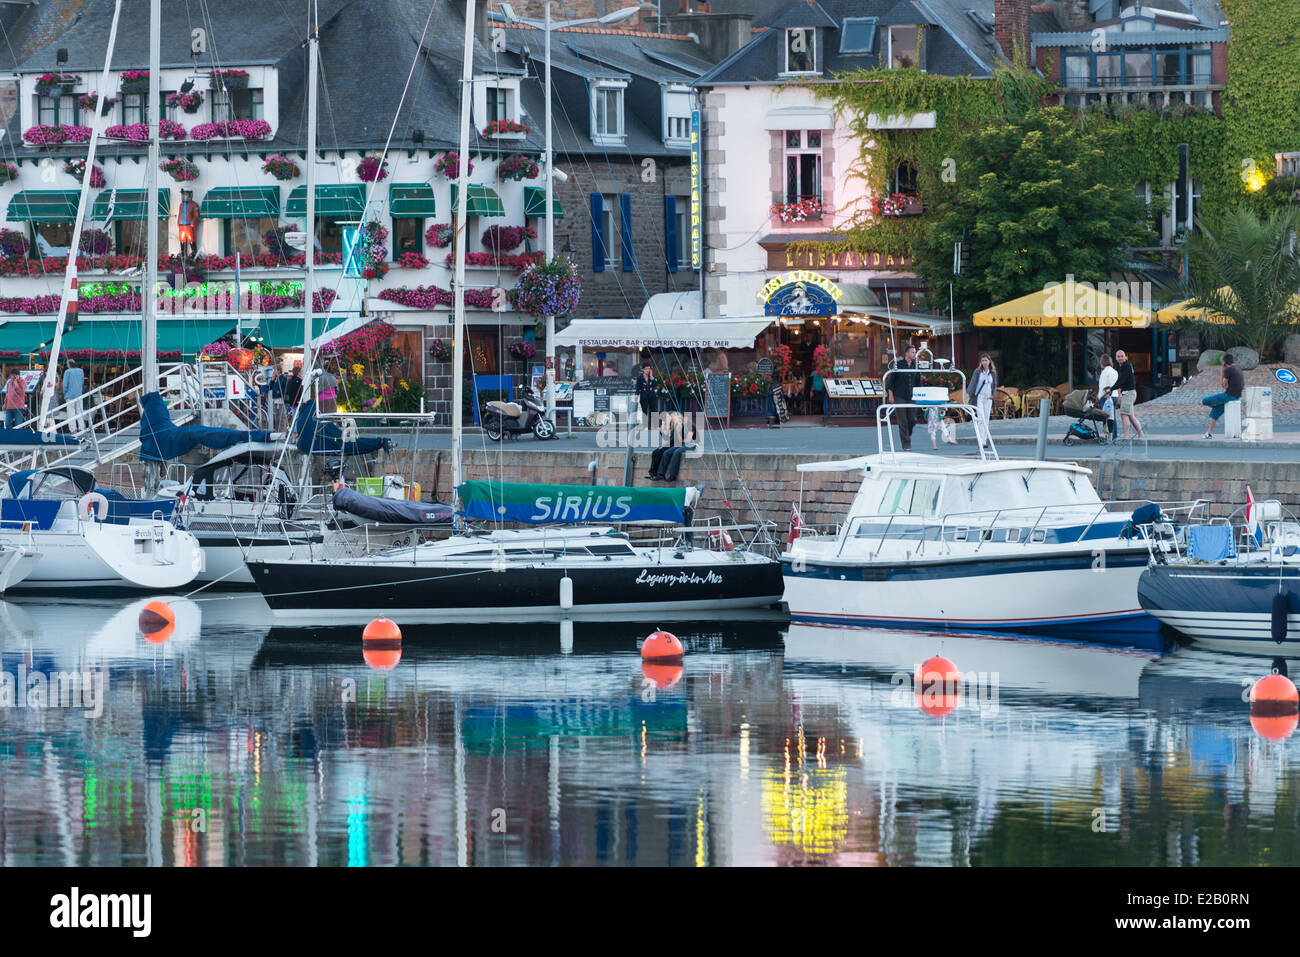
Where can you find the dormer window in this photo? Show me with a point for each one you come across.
(800, 50)
(607, 127)
(857, 35)
(499, 106)
(242, 104)
(904, 47)
(678, 104)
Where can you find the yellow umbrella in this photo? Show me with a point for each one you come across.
(1071, 304)
(1181, 310)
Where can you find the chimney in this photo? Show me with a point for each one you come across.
(1011, 29)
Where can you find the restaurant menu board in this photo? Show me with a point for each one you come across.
(563, 391)
(717, 395)
(854, 388)
(766, 366)
(604, 395)
(778, 403)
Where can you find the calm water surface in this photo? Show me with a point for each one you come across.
(238, 743)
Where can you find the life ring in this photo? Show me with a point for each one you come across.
(92, 504)
(720, 539)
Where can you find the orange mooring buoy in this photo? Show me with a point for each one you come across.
(381, 644)
(937, 684)
(662, 646)
(1274, 707)
(157, 622)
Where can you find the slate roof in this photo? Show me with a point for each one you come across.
(956, 44)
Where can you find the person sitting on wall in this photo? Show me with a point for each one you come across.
(1234, 383)
(666, 461)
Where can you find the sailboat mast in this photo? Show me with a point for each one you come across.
(309, 261)
(458, 287)
(149, 294)
(70, 273)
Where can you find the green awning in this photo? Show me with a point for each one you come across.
(191, 335)
(535, 202)
(344, 201)
(411, 201)
(103, 334)
(479, 201)
(130, 203)
(19, 335)
(287, 333)
(241, 202)
(44, 206)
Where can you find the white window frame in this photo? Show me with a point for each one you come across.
(507, 84)
(619, 135)
(917, 48)
(613, 229)
(669, 137)
(812, 52)
(801, 150)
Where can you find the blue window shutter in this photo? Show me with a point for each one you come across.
(625, 229)
(670, 232)
(597, 233)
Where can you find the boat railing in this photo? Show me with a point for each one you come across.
(987, 450)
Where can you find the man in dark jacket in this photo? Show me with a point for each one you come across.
(900, 390)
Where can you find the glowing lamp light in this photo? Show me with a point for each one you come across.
(1255, 179)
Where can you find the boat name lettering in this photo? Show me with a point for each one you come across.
(580, 508)
(678, 578)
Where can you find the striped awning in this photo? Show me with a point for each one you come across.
(241, 202)
(479, 201)
(411, 201)
(44, 206)
(535, 202)
(130, 204)
(346, 200)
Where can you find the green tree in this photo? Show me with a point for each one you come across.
(1248, 270)
(1045, 200)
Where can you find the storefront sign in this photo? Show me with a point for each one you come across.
(783, 257)
(697, 244)
(800, 293)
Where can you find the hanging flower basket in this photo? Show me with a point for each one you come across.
(449, 165)
(522, 349)
(281, 167)
(517, 168)
(372, 168)
(502, 239)
(135, 81)
(275, 242)
(56, 84)
(548, 288)
(229, 79)
(8, 172)
(440, 351)
(189, 102)
(89, 102)
(95, 242)
(77, 170)
(439, 235)
(505, 128)
(13, 244)
(181, 170)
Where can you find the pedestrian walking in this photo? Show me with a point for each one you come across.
(1106, 380)
(980, 390)
(901, 384)
(15, 400)
(1126, 389)
(74, 380)
(1233, 384)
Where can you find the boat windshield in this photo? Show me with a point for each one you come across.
(912, 497)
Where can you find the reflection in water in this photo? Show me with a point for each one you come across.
(237, 743)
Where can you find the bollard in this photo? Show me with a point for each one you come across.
(1040, 448)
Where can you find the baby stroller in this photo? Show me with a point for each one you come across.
(1079, 404)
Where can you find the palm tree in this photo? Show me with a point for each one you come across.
(1249, 273)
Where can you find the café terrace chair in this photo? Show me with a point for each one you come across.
(1030, 398)
(1004, 405)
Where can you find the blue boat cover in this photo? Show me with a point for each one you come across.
(1210, 543)
(30, 438)
(391, 510)
(325, 438)
(162, 440)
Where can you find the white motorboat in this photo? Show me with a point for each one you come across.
(984, 544)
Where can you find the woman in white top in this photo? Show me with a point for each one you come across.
(980, 389)
(1106, 380)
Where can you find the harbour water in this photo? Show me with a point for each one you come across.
(234, 742)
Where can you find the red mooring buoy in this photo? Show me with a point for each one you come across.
(938, 685)
(662, 646)
(381, 644)
(1274, 707)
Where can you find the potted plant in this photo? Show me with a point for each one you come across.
(135, 81)
(13, 244)
(281, 167)
(439, 235)
(448, 164)
(181, 170)
(189, 102)
(440, 351)
(799, 211)
(91, 103)
(521, 350)
(8, 172)
(95, 242)
(517, 167)
(230, 79)
(76, 168)
(56, 84)
(372, 169)
(899, 204)
(275, 242)
(502, 239)
(505, 128)
(549, 288)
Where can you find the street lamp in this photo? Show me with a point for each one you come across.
(548, 26)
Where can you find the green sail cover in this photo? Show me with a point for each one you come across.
(538, 504)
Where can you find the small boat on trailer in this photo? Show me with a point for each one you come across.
(574, 571)
(1229, 584)
(933, 542)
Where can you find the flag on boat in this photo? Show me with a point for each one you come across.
(796, 523)
(539, 504)
(1252, 518)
